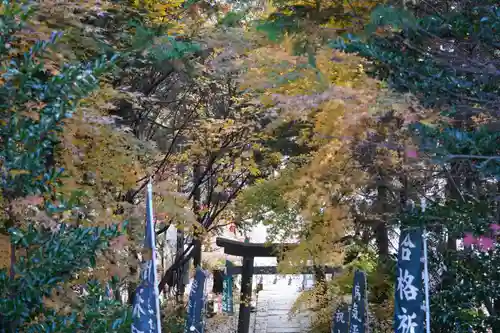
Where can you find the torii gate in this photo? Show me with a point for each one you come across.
(249, 251)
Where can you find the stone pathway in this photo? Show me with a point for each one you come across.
(273, 310)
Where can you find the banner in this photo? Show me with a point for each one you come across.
(357, 321)
(146, 309)
(227, 293)
(340, 321)
(408, 309)
(196, 305)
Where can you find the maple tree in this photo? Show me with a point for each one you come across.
(317, 198)
(207, 129)
(345, 164)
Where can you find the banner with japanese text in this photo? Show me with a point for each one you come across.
(357, 321)
(196, 305)
(146, 308)
(340, 322)
(227, 291)
(408, 304)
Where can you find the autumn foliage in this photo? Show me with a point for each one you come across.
(335, 123)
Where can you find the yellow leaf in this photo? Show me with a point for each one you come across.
(16, 172)
(254, 171)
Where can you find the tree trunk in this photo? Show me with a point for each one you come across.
(454, 193)
(132, 285)
(196, 209)
(382, 234)
(380, 228)
(382, 240)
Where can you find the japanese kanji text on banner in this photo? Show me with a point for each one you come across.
(340, 322)
(227, 291)
(357, 322)
(409, 315)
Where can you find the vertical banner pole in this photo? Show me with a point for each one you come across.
(426, 283)
(146, 304)
(152, 233)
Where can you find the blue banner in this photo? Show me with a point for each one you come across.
(340, 320)
(408, 305)
(196, 305)
(357, 321)
(227, 293)
(146, 309)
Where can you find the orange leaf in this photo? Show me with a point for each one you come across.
(33, 200)
(32, 115)
(119, 242)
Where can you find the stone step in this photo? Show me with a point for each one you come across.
(284, 330)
